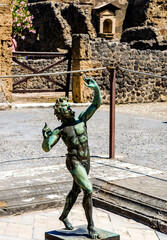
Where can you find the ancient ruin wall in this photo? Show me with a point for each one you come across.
(55, 22)
(131, 88)
(157, 15)
(145, 24)
(5, 50)
(142, 22)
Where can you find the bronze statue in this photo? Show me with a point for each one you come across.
(73, 131)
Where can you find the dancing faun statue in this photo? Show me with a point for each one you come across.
(73, 132)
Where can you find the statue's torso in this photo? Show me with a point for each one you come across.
(76, 139)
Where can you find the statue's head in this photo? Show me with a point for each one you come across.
(62, 109)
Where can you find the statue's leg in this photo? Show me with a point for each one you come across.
(70, 200)
(81, 178)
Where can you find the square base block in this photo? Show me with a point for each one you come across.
(79, 233)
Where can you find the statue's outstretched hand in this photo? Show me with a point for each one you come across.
(46, 131)
(89, 82)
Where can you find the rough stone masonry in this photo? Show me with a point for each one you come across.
(130, 88)
(5, 50)
(54, 22)
(144, 29)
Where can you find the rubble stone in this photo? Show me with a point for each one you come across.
(5, 50)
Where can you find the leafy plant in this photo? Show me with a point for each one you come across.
(22, 19)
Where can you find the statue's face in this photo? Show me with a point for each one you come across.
(65, 112)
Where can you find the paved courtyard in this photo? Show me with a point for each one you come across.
(34, 225)
(141, 135)
(141, 139)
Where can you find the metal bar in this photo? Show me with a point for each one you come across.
(36, 90)
(35, 57)
(17, 53)
(52, 74)
(68, 74)
(23, 65)
(47, 77)
(112, 114)
(52, 65)
(41, 56)
(52, 80)
(20, 81)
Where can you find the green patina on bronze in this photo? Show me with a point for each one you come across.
(73, 132)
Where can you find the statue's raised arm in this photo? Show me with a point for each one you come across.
(87, 114)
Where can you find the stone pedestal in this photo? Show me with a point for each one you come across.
(79, 233)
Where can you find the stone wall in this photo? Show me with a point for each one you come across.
(131, 88)
(56, 21)
(141, 23)
(157, 16)
(5, 50)
(145, 24)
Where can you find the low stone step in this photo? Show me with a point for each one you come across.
(130, 203)
(18, 200)
(34, 188)
(43, 97)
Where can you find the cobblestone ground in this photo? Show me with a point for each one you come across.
(141, 135)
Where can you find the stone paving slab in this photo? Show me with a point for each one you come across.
(33, 225)
(101, 167)
(112, 169)
(48, 185)
(21, 148)
(127, 202)
(152, 186)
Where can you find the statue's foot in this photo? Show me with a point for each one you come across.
(67, 224)
(93, 233)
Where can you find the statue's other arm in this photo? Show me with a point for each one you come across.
(87, 114)
(50, 138)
